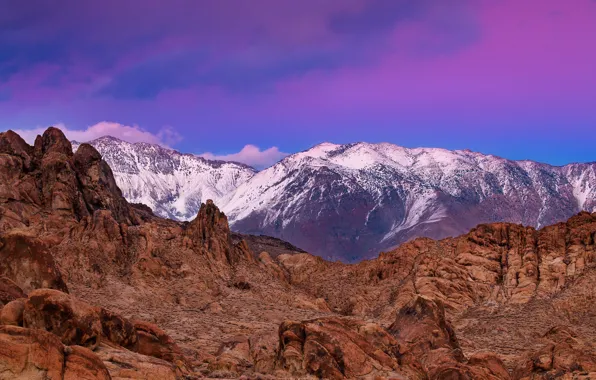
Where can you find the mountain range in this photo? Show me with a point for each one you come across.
(348, 202)
(94, 287)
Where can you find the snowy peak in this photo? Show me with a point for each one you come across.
(173, 184)
(346, 201)
(352, 201)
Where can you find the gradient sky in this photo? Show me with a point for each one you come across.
(516, 78)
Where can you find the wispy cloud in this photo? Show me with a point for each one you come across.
(251, 155)
(166, 136)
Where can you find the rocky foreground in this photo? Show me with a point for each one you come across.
(92, 287)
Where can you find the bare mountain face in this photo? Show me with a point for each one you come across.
(172, 184)
(348, 202)
(92, 287)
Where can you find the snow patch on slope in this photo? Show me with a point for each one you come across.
(172, 184)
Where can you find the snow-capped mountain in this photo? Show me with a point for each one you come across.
(351, 201)
(171, 183)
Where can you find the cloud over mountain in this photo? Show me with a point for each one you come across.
(251, 155)
(166, 136)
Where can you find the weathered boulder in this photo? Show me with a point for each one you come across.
(336, 348)
(9, 291)
(128, 365)
(564, 354)
(429, 347)
(37, 354)
(153, 341)
(29, 264)
(83, 364)
(12, 313)
(73, 321)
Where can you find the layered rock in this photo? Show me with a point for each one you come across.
(337, 348)
(563, 353)
(28, 263)
(37, 354)
(430, 345)
(9, 291)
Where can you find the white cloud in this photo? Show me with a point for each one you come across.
(251, 155)
(166, 136)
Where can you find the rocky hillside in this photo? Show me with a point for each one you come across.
(93, 287)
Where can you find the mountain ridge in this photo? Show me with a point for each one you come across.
(171, 183)
(410, 188)
(351, 201)
(92, 286)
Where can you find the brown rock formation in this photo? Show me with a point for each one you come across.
(12, 313)
(336, 348)
(36, 354)
(28, 263)
(73, 321)
(9, 291)
(431, 347)
(152, 341)
(563, 353)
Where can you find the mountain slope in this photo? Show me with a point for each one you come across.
(171, 183)
(351, 201)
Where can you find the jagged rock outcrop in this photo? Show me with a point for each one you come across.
(50, 178)
(28, 263)
(337, 348)
(78, 323)
(77, 329)
(98, 186)
(430, 346)
(564, 354)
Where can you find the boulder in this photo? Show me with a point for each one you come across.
(37, 354)
(128, 365)
(12, 313)
(83, 364)
(153, 341)
(9, 291)
(73, 321)
(429, 346)
(336, 348)
(28, 263)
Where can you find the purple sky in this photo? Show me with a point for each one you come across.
(516, 78)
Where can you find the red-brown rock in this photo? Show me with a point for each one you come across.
(73, 321)
(153, 341)
(336, 348)
(37, 354)
(27, 262)
(9, 291)
(12, 313)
